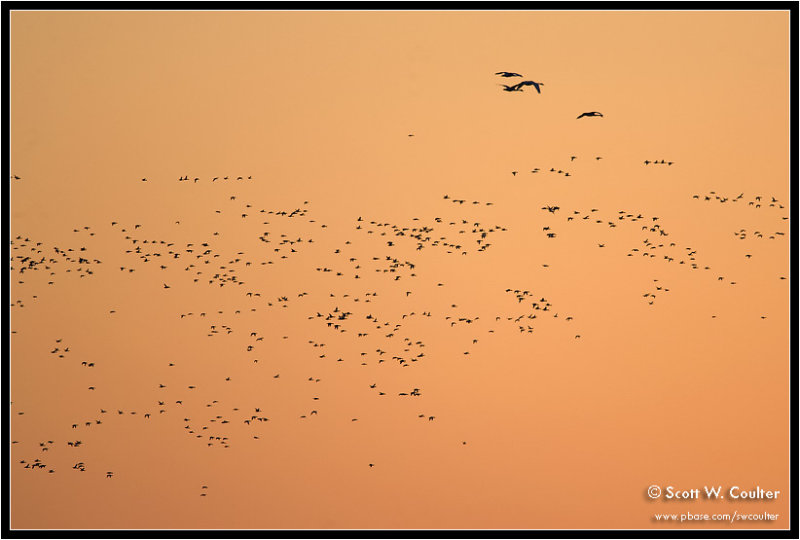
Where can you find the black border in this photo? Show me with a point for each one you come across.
(748, 5)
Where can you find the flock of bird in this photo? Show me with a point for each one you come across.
(394, 253)
(520, 87)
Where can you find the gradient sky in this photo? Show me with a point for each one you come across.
(531, 429)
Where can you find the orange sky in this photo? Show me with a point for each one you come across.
(535, 427)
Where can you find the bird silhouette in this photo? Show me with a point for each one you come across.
(536, 85)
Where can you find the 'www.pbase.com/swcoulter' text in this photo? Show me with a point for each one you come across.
(735, 517)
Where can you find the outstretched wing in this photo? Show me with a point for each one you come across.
(529, 83)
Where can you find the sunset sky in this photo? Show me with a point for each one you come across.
(356, 284)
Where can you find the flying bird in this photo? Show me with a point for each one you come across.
(536, 85)
(508, 74)
(593, 113)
